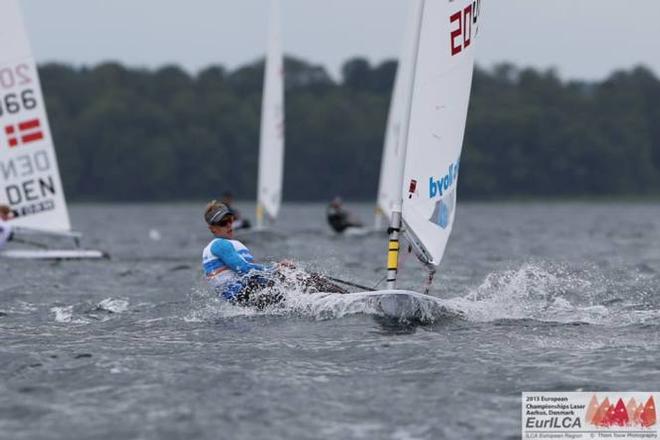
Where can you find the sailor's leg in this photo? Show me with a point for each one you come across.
(316, 282)
(259, 293)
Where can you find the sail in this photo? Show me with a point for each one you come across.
(29, 176)
(389, 193)
(271, 144)
(438, 112)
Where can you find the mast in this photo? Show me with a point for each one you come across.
(395, 220)
(393, 152)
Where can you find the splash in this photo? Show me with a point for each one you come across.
(299, 299)
(65, 314)
(551, 293)
(85, 313)
(535, 291)
(112, 305)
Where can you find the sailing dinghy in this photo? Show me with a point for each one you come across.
(427, 165)
(29, 175)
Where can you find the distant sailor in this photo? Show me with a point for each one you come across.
(228, 265)
(5, 228)
(239, 221)
(338, 217)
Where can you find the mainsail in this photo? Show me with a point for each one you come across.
(389, 193)
(271, 144)
(438, 112)
(29, 176)
(442, 76)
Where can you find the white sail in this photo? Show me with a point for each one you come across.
(271, 144)
(29, 176)
(438, 112)
(389, 193)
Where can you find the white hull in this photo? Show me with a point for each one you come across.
(53, 254)
(361, 231)
(393, 305)
(404, 305)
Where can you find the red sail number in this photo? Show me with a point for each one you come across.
(461, 32)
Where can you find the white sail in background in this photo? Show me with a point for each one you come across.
(271, 144)
(442, 81)
(393, 150)
(29, 176)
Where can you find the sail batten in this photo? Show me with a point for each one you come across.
(271, 142)
(29, 175)
(438, 112)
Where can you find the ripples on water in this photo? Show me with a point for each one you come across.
(530, 297)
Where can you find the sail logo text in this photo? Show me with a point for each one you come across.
(438, 186)
(554, 422)
(464, 27)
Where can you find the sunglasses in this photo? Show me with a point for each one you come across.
(225, 222)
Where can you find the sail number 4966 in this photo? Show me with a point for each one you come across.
(13, 103)
(463, 27)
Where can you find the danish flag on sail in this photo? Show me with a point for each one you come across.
(24, 132)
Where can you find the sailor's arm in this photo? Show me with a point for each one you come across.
(226, 252)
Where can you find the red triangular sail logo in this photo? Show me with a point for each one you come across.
(606, 414)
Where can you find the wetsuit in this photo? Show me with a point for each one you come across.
(229, 269)
(339, 219)
(5, 233)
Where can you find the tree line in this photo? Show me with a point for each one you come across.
(128, 134)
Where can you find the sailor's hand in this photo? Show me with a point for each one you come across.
(286, 263)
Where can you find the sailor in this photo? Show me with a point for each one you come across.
(239, 221)
(5, 228)
(338, 217)
(229, 266)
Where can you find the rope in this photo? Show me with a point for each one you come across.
(348, 283)
(429, 281)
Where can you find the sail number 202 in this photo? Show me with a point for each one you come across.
(463, 27)
(18, 75)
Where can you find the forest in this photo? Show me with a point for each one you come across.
(132, 134)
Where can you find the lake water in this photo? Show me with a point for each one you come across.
(558, 296)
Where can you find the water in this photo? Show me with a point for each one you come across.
(553, 297)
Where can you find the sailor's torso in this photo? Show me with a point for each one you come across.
(217, 273)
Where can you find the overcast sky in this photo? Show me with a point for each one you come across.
(585, 39)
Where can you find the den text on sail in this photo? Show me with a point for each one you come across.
(33, 186)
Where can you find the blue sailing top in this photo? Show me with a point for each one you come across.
(225, 262)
